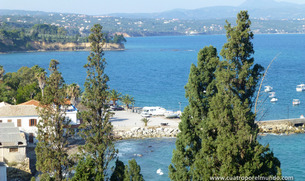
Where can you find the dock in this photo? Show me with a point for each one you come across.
(295, 125)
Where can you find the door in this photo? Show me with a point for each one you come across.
(31, 138)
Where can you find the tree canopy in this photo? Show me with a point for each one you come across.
(218, 134)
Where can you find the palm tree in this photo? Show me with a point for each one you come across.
(127, 100)
(41, 77)
(114, 96)
(145, 121)
(73, 91)
(1, 72)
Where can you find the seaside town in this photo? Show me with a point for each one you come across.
(95, 97)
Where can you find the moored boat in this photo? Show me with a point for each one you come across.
(274, 99)
(171, 114)
(300, 88)
(296, 102)
(271, 94)
(268, 88)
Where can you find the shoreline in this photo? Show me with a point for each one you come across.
(62, 47)
(128, 125)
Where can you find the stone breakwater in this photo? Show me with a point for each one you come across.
(282, 126)
(150, 132)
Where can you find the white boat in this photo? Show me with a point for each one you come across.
(273, 99)
(296, 102)
(271, 94)
(268, 88)
(300, 88)
(159, 172)
(171, 114)
(153, 111)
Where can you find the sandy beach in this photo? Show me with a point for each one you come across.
(123, 120)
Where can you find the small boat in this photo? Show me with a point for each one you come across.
(159, 172)
(268, 88)
(171, 114)
(296, 102)
(271, 94)
(300, 88)
(273, 99)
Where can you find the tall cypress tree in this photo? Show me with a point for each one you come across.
(96, 127)
(53, 129)
(225, 133)
(199, 90)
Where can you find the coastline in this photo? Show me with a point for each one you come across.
(45, 47)
(128, 125)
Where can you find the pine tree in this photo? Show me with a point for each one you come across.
(53, 129)
(118, 173)
(1, 72)
(132, 171)
(199, 90)
(218, 134)
(85, 170)
(96, 127)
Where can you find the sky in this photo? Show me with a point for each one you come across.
(100, 7)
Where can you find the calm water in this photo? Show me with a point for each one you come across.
(157, 153)
(155, 69)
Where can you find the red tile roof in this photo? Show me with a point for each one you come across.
(31, 102)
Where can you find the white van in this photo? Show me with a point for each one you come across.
(153, 111)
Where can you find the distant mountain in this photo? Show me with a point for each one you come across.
(263, 9)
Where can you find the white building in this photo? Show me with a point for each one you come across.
(25, 116)
(12, 144)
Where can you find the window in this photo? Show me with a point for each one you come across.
(9, 120)
(13, 149)
(18, 122)
(32, 122)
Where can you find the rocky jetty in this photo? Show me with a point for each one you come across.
(281, 127)
(143, 132)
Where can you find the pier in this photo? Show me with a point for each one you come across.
(287, 126)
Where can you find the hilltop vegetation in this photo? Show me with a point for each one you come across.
(25, 36)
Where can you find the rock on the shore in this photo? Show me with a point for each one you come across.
(138, 132)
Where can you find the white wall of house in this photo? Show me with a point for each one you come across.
(14, 154)
(72, 116)
(25, 123)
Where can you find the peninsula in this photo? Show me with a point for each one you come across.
(45, 37)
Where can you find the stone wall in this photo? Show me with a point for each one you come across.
(284, 127)
(150, 132)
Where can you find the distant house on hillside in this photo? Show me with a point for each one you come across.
(25, 116)
(12, 144)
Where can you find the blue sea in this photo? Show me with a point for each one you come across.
(154, 70)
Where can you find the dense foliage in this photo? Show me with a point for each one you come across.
(22, 38)
(218, 134)
(21, 86)
(96, 127)
(53, 128)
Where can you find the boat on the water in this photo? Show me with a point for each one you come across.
(274, 99)
(300, 88)
(271, 94)
(296, 102)
(268, 88)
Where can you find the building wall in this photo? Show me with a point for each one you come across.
(25, 126)
(72, 116)
(1, 155)
(18, 156)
